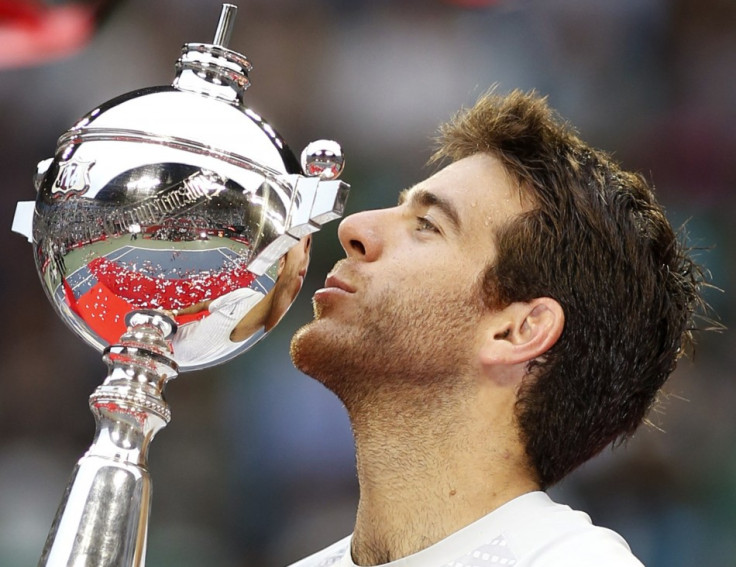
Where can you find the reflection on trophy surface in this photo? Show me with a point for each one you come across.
(171, 230)
(239, 315)
(115, 232)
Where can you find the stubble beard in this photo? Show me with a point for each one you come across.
(398, 349)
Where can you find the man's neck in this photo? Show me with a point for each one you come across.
(427, 472)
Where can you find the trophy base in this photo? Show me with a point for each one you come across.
(103, 517)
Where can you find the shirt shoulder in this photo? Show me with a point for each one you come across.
(601, 548)
(331, 556)
(556, 535)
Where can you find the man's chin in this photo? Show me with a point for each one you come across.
(302, 348)
(320, 350)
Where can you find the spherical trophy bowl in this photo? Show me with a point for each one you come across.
(182, 200)
(140, 209)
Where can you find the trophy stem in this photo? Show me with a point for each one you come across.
(103, 517)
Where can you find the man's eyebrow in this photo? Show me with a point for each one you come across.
(424, 198)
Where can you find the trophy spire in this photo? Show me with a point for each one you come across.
(225, 25)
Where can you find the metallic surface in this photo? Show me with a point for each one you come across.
(324, 159)
(173, 197)
(171, 230)
(103, 516)
(225, 25)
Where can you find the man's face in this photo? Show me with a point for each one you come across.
(404, 307)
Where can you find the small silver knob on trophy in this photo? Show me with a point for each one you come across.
(171, 230)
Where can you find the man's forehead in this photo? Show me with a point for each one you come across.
(477, 188)
(430, 188)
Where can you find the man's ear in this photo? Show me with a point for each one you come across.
(522, 331)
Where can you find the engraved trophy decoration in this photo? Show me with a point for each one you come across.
(171, 230)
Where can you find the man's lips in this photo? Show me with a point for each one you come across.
(334, 282)
(334, 288)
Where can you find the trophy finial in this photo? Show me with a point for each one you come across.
(323, 159)
(225, 25)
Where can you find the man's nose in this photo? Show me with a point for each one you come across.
(361, 235)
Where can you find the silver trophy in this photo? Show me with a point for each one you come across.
(171, 231)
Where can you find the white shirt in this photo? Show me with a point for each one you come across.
(208, 339)
(529, 531)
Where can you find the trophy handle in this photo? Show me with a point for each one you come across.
(103, 517)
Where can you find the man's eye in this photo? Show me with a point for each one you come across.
(424, 223)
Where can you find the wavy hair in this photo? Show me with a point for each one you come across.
(597, 241)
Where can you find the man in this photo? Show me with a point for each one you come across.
(513, 315)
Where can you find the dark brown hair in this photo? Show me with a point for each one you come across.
(596, 241)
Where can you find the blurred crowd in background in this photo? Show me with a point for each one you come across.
(256, 467)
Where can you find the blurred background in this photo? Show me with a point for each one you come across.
(256, 467)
